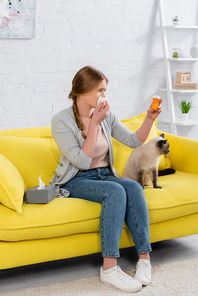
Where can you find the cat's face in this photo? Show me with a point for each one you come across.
(163, 145)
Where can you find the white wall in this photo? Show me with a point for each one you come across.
(119, 37)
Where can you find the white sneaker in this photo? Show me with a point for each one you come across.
(120, 280)
(143, 272)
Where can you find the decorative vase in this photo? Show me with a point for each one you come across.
(175, 23)
(184, 116)
(194, 52)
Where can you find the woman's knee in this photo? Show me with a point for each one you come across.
(117, 193)
(132, 186)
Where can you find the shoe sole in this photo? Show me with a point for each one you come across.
(142, 282)
(110, 285)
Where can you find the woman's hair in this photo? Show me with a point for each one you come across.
(85, 80)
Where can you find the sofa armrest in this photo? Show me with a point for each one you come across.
(183, 153)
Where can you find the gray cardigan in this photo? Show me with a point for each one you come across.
(68, 137)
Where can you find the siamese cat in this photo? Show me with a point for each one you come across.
(142, 165)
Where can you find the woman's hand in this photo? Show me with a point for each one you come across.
(153, 114)
(100, 113)
(98, 116)
(143, 132)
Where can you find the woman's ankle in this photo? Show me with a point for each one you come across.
(144, 256)
(109, 262)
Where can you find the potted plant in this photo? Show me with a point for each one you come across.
(175, 52)
(175, 21)
(185, 108)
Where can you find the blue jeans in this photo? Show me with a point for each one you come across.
(121, 199)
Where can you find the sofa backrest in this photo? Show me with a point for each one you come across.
(122, 152)
(32, 132)
(32, 151)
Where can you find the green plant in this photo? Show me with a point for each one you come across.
(185, 106)
(175, 19)
(175, 54)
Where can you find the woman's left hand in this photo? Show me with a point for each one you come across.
(153, 114)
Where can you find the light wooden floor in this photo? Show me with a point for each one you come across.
(70, 269)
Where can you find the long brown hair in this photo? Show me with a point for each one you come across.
(84, 81)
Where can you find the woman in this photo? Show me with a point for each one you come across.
(83, 134)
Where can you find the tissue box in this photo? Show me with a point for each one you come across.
(36, 196)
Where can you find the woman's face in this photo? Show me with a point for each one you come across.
(92, 97)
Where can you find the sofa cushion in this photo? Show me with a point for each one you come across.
(12, 186)
(60, 217)
(67, 216)
(178, 197)
(122, 152)
(32, 157)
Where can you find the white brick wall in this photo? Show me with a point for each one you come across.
(119, 37)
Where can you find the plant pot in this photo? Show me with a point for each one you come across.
(175, 23)
(194, 52)
(184, 116)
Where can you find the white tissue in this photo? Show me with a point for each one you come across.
(101, 100)
(41, 184)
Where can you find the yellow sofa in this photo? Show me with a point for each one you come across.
(67, 227)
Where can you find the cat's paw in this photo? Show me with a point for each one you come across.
(157, 186)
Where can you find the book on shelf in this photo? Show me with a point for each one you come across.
(186, 85)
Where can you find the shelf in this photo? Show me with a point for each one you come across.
(180, 27)
(180, 122)
(188, 122)
(185, 90)
(182, 59)
(180, 90)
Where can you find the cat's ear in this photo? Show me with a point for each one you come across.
(162, 135)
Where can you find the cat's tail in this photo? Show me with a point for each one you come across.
(166, 172)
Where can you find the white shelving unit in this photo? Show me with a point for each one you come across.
(167, 60)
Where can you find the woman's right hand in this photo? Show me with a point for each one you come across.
(100, 113)
(97, 117)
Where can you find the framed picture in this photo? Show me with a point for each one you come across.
(17, 18)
